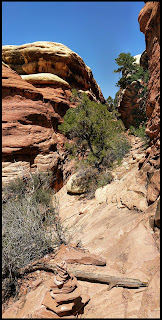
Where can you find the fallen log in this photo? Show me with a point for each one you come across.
(112, 281)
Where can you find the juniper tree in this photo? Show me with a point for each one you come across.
(96, 129)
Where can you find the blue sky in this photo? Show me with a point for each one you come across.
(96, 30)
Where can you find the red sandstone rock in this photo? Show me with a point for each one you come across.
(43, 313)
(54, 58)
(68, 287)
(128, 105)
(66, 297)
(29, 125)
(71, 255)
(61, 310)
(149, 20)
(58, 299)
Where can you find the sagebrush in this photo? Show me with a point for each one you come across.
(31, 226)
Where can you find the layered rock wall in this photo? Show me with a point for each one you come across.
(30, 138)
(36, 90)
(52, 58)
(149, 21)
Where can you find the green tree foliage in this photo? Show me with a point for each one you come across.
(96, 131)
(130, 70)
(125, 62)
(112, 105)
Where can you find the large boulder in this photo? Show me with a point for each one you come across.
(76, 184)
(55, 58)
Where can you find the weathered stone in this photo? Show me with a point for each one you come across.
(60, 299)
(68, 287)
(29, 128)
(51, 303)
(45, 78)
(157, 214)
(76, 184)
(128, 104)
(66, 297)
(144, 60)
(43, 313)
(149, 21)
(36, 283)
(72, 255)
(131, 192)
(35, 103)
(55, 58)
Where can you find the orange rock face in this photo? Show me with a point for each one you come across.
(149, 20)
(29, 123)
(36, 90)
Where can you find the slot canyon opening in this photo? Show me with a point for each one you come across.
(56, 181)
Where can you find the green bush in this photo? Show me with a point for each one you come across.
(30, 226)
(140, 132)
(96, 131)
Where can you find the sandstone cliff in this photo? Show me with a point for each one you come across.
(29, 126)
(51, 58)
(36, 91)
(149, 20)
(129, 100)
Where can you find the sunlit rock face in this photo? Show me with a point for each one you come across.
(29, 127)
(53, 58)
(149, 21)
(36, 91)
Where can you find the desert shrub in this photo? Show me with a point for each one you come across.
(92, 178)
(96, 132)
(140, 132)
(30, 226)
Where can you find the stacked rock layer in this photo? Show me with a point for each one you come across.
(37, 79)
(51, 58)
(64, 297)
(29, 127)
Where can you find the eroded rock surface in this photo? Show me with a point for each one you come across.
(73, 255)
(119, 233)
(149, 21)
(55, 58)
(128, 104)
(37, 79)
(29, 125)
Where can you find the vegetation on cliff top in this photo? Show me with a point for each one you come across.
(131, 72)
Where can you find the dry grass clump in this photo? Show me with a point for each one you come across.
(31, 226)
